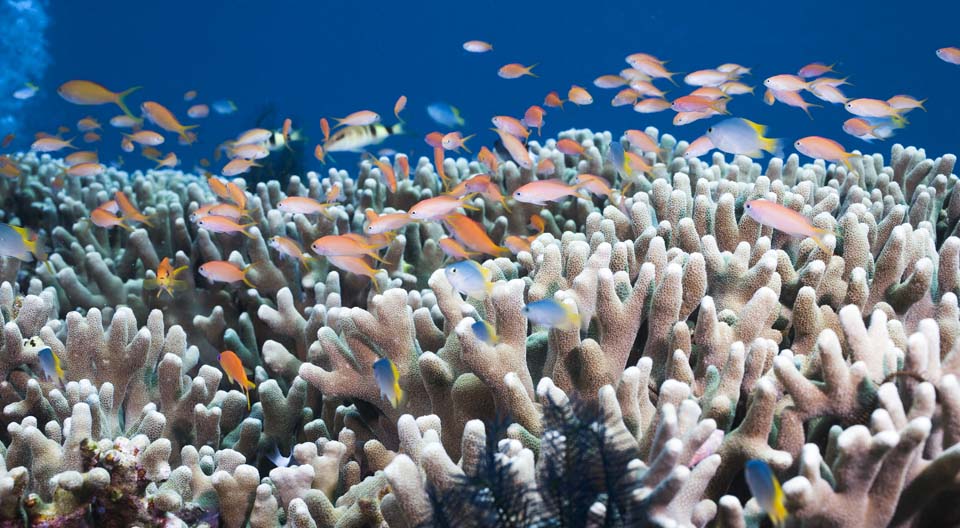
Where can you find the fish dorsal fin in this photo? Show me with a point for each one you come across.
(371, 215)
(757, 127)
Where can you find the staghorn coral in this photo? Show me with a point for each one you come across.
(707, 340)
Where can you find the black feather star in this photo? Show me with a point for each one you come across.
(582, 469)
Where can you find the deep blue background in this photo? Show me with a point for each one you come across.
(314, 59)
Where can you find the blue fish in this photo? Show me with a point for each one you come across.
(765, 487)
(224, 107)
(553, 313)
(49, 361)
(469, 278)
(388, 380)
(445, 114)
(485, 332)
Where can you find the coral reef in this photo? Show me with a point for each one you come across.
(706, 340)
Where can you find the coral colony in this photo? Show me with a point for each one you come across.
(596, 329)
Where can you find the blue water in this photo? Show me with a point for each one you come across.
(307, 60)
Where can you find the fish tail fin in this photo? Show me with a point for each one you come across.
(397, 128)
(921, 101)
(249, 384)
(670, 78)
(183, 134)
(806, 108)
(243, 274)
(246, 391)
(125, 226)
(122, 105)
(243, 229)
(503, 202)
(529, 70)
(463, 142)
(770, 145)
(378, 258)
(817, 237)
(720, 106)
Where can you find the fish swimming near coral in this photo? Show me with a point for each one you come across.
(785, 219)
(233, 367)
(552, 313)
(485, 332)
(49, 361)
(766, 490)
(358, 138)
(469, 278)
(22, 244)
(388, 380)
(166, 279)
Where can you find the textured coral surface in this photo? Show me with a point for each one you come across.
(706, 340)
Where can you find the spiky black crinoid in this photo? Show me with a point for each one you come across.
(582, 479)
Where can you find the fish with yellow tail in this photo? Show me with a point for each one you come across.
(388, 380)
(552, 313)
(742, 136)
(166, 279)
(469, 278)
(826, 149)
(784, 219)
(49, 361)
(21, 243)
(765, 487)
(224, 271)
(233, 367)
(83, 92)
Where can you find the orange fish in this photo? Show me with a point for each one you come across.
(489, 159)
(91, 137)
(816, 69)
(794, 99)
(8, 139)
(542, 191)
(86, 169)
(533, 117)
(552, 100)
(642, 141)
(359, 118)
(337, 246)
(145, 137)
(387, 222)
(399, 106)
(126, 145)
(571, 147)
(125, 121)
(477, 46)
(166, 279)
(106, 219)
(546, 167)
(285, 131)
(785, 219)
(454, 250)
(519, 153)
(290, 248)
(823, 148)
(516, 244)
(164, 118)
(434, 139)
(51, 144)
(357, 266)
(238, 166)
(224, 271)
(404, 163)
(438, 158)
(233, 367)
(190, 95)
(579, 96)
(609, 81)
(198, 111)
(129, 210)
(218, 187)
(538, 223)
(319, 153)
(386, 170)
(222, 224)
(8, 168)
(87, 124)
(237, 195)
(594, 184)
(325, 128)
(455, 141)
(334, 193)
(302, 205)
(514, 70)
(651, 106)
(90, 93)
(473, 235)
(438, 207)
(81, 156)
(511, 125)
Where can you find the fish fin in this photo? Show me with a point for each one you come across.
(246, 269)
(397, 128)
(806, 108)
(529, 70)
(463, 142)
(183, 133)
(761, 130)
(247, 393)
(817, 237)
(243, 229)
(122, 105)
(249, 384)
(125, 226)
(770, 145)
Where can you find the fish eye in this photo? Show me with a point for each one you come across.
(747, 206)
(709, 130)
(453, 270)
